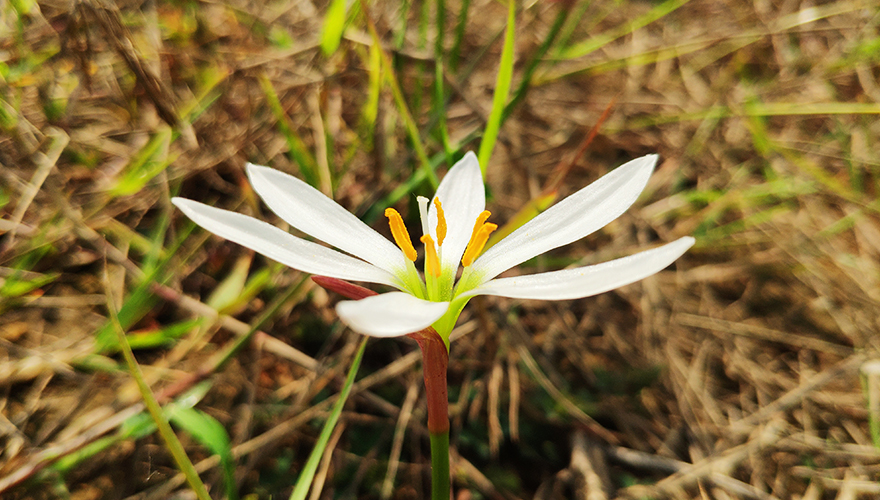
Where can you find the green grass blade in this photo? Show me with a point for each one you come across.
(417, 90)
(149, 162)
(305, 478)
(17, 285)
(334, 27)
(455, 52)
(171, 442)
(371, 107)
(502, 88)
(229, 351)
(439, 87)
(595, 43)
(440, 25)
(141, 300)
(161, 337)
(136, 306)
(308, 167)
(408, 121)
(532, 65)
(137, 426)
(212, 435)
(402, 27)
(440, 111)
(229, 290)
(571, 23)
(760, 109)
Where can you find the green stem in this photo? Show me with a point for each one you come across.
(440, 487)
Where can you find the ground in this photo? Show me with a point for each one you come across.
(745, 370)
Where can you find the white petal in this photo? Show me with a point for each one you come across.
(282, 246)
(463, 197)
(313, 213)
(390, 314)
(571, 219)
(586, 281)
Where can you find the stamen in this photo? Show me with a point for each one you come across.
(478, 241)
(441, 222)
(400, 234)
(432, 262)
(481, 219)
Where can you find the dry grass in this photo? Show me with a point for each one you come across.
(737, 373)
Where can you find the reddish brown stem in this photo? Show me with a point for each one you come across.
(435, 356)
(435, 359)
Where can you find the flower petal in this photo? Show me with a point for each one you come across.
(586, 281)
(313, 213)
(571, 219)
(282, 246)
(390, 315)
(463, 196)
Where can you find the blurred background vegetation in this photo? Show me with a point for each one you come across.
(743, 371)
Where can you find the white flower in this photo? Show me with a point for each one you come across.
(455, 229)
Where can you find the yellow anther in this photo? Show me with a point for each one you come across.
(481, 219)
(441, 222)
(400, 234)
(478, 241)
(432, 262)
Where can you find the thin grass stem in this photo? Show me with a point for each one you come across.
(171, 442)
(410, 124)
(502, 88)
(305, 478)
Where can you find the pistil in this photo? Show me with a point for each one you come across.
(432, 268)
(432, 261)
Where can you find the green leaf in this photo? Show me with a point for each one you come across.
(212, 435)
(231, 287)
(16, 285)
(136, 306)
(334, 27)
(153, 338)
